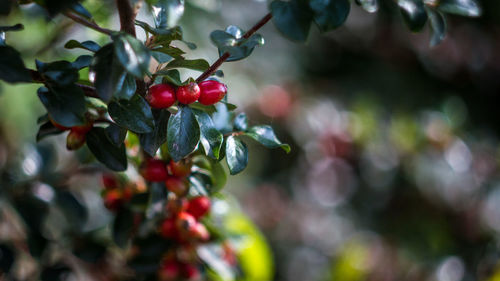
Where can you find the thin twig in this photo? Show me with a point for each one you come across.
(87, 23)
(226, 55)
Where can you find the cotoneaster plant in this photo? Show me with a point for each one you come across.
(161, 126)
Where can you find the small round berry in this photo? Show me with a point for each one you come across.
(191, 272)
(169, 271)
(199, 232)
(176, 205)
(211, 92)
(161, 96)
(154, 170)
(113, 200)
(177, 185)
(109, 181)
(199, 206)
(180, 169)
(75, 140)
(84, 129)
(185, 221)
(168, 228)
(188, 94)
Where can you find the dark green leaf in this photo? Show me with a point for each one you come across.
(468, 8)
(170, 51)
(65, 105)
(198, 64)
(183, 133)
(206, 108)
(167, 12)
(86, 45)
(330, 14)
(264, 134)
(126, 87)
(116, 134)
(151, 142)
(241, 122)
(122, 227)
(370, 6)
(73, 210)
(45, 130)
(236, 155)
(134, 114)
(105, 151)
(438, 26)
(162, 36)
(60, 73)
(57, 6)
(107, 73)
(292, 18)
(231, 41)
(161, 57)
(79, 9)
(12, 67)
(170, 76)
(82, 62)
(132, 54)
(414, 14)
(211, 139)
(17, 27)
(218, 175)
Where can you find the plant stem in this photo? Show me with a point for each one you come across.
(226, 55)
(87, 23)
(127, 16)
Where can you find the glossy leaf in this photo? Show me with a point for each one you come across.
(231, 41)
(12, 67)
(161, 57)
(370, 6)
(86, 45)
(107, 74)
(330, 14)
(438, 26)
(82, 62)
(47, 129)
(241, 122)
(132, 54)
(414, 14)
(116, 134)
(197, 64)
(211, 139)
(105, 151)
(468, 8)
(80, 10)
(167, 12)
(171, 51)
(264, 134)
(170, 76)
(65, 105)
(183, 133)
(60, 73)
(292, 18)
(151, 142)
(218, 175)
(134, 114)
(236, 155)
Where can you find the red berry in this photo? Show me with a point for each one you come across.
(177, 185)
(199, 206)
(161, 96)
(188, 94)
(83, 129)
(169, 270)
(185, 221)
(75, 140)
(109, 181)
(168, 228)
(113, 200)
(199, 232)
(191, 272)
(177, 205)
(180, 169)
(154, 170)
(211, 92)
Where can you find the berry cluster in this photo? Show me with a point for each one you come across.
(207, 93)
(116, 192)
(76, 136)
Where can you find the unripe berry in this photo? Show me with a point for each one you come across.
(180, 169)
(168, 228)
(161, 96)
(154, 170)
(185, 221)
(57, 125)
(177, 185)
(188, 94)
(211, 92)
(199, 206)
(83, 129)
(113, 200)
(198, 232)
(75, 140)
(169, 271)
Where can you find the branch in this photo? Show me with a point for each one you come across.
(226, 55)
(87, 23)
(127, 16)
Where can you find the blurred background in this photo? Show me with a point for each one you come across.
(395, 166)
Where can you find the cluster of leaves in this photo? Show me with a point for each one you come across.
(294, 18)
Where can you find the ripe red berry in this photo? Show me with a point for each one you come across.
(188, 94)
(185, 221)
(180, 169)
(191, 272)
(177, 185)
(75, 140)
(169, 271)
(161, 96)
(211, 92)
(154, 170)
(168, 228)
(198, 232)
(199, 206)
(109, 181)
(83, 129)
(113, 200)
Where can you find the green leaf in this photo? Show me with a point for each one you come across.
(80, 10)
(438, 26)
(105, 151)
(236, 155)
(58, 6)
(170, 76)
(414, 14)
(183, 133)
(116, 134)
(65, 105)
(16, 27)
(468, 8)
(126, 87)
(231, 41)
(211, 139)
(218, 176)
(134, 114)
(167, 12)
(47, 129)
(330, 14)
(162, 36)
(197, 64)
(82, 62)
(86, 45)
(108, 74)
(171, 51)
(161, 57)
(151, 142)
(60, 73)
(292, 18)
(241, 122)
(12, 67)
(264, 134)
(122, 227)
(370, 6)
(132, 54)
